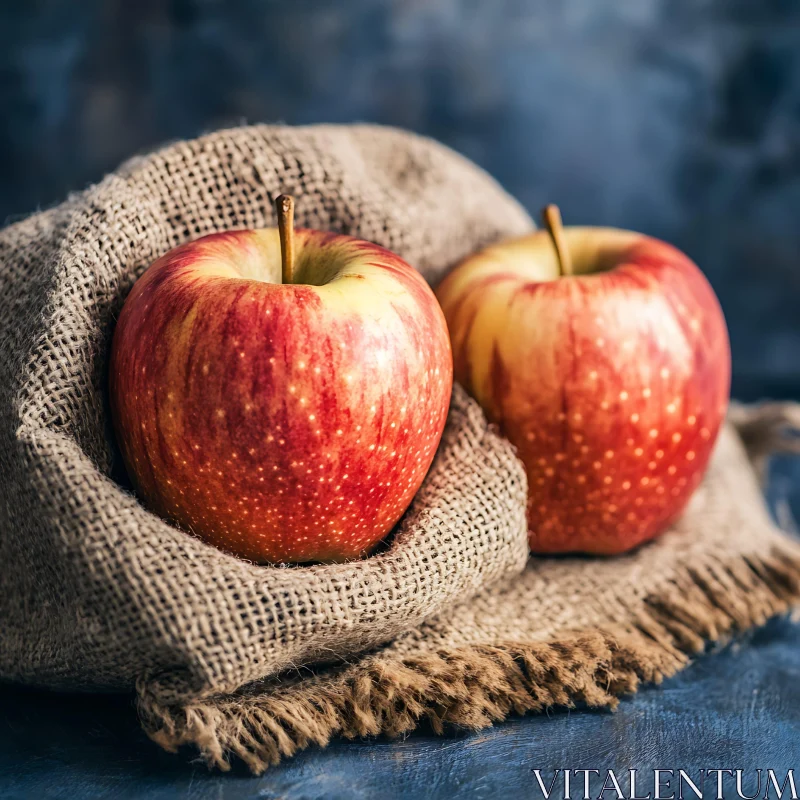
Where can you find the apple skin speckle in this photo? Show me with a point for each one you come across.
(281, 423)
(612, 383)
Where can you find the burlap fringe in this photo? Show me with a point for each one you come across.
(473, 687)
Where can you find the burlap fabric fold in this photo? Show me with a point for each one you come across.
(257, 662)
(566, 632)
(95, 591)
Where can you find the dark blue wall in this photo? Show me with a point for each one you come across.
(680, 118)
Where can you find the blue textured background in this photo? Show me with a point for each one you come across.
(680, 118)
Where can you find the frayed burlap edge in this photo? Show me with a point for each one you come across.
(473, 687)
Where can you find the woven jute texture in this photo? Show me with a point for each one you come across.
(448, 624)
(566, 632)
(96, 592)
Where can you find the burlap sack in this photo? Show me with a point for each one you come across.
(566, 632)
(97, 593)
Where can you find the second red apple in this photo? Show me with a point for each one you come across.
(605, 360)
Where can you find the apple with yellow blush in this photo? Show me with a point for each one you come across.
(603, 355)
(280, 393)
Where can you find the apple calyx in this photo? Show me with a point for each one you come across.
(555, 227)
(284, 205)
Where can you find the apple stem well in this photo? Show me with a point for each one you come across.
(555, 227)
(284, 205)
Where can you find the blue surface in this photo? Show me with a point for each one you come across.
(738, 708)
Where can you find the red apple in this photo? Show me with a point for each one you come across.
(606, 361)
(280, 409)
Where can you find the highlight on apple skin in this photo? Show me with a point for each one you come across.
(611, 380)
(282, 422)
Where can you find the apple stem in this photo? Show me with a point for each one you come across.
(284, 205)
(555, 227)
